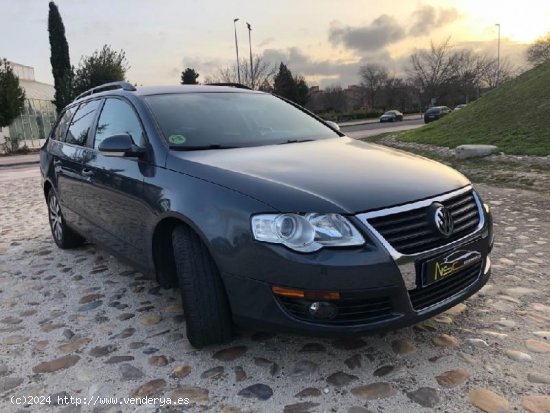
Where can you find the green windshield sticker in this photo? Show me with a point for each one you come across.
(177, 139)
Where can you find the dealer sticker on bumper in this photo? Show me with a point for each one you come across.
(445, 266)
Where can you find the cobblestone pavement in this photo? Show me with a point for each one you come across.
(80, 323)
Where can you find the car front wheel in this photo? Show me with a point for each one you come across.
(205, 304)
(64, 237)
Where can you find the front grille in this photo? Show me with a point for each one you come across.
(422, 297)
(350, 310)
(411, 232)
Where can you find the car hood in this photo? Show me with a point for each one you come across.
(333, 175)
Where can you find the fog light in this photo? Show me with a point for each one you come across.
(322, 310)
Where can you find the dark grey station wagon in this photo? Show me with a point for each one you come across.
(262, 213)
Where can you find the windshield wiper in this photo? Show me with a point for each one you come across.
(201, 147)
(296, 141)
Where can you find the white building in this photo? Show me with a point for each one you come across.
(39, 114)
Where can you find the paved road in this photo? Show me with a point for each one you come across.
(375, 127)
(81, 323)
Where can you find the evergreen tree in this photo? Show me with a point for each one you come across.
(103, 66)
(283, 83)
(292, 88)
(59, 59)
(12, 96)
(302, 91)
(189, 77)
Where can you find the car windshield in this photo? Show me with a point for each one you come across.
(391, 112)
(433, 110)
(232, 119)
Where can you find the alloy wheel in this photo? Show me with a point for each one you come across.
(56, 219)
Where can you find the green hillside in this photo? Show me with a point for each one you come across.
(515, 117)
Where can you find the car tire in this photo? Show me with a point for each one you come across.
(205, 303)
(64, 237)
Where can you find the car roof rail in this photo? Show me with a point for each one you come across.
(108, 86)
(236, 85)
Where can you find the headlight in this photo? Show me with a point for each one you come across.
(306, 233)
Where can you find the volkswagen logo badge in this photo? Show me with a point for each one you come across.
(442, 219)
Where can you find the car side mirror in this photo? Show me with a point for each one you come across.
(119, 145)
(333, 125)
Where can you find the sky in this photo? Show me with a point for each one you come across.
(324, 40)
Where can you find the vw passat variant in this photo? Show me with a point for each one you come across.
(262, 213)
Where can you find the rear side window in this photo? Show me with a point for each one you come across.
(82, 122)
(118, 117)
(61, 128)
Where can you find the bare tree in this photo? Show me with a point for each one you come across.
(539, 52)
(259, 77)
(393, 93)
(334, 99)
(497, 73)
(373, 76)
(468, 71)
(431, 69)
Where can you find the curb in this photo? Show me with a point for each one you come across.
(21, 163)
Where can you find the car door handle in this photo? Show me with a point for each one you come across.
(87, 172)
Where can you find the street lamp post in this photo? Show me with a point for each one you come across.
(237, 49)
(251, 64)
(498, 54)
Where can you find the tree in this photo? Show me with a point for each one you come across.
(334, 99)
(103, 66)
(468, 71)
(292, 88)
(12, 95)
(539, 52)
(432, 70)
(59, 59)
(189, 77)
(373, 76)
(260, 77)
(498, 73)
(393, 93)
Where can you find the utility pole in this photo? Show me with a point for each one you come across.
(237, 49)
(251, 64)
(498, 54)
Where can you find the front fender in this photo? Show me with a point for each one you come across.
(219, 215)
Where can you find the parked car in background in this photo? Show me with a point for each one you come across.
(262, 213)
(461, 106)
(435, 113)
(391, 116)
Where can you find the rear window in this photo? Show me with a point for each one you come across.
(61, 128)
(232, 119)
(82, 122)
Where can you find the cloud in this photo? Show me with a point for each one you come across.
(384, 30)
(266, 42)
(324, 72)
(427, 18)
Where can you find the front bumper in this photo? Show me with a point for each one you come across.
(379, 288)
(255, 306)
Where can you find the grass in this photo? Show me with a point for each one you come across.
(515, 117)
